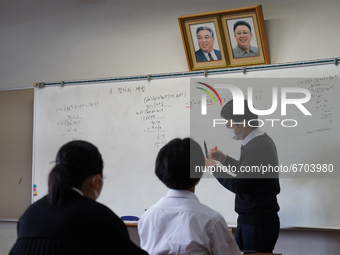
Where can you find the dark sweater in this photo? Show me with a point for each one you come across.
(78, 226)
(255, 199)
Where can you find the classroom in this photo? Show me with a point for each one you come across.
(138, 44)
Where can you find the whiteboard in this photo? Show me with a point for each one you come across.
(130, 121)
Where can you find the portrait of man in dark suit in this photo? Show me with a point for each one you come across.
(205, 38)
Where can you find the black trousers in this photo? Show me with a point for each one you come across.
(259, 238)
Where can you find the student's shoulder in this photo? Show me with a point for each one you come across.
(99, 206)
(90, 208)
(209, 212)
(213, 219)
(155, 208)
(42, 202)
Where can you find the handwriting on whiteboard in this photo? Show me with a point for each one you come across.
(71, 120)
(153, 114)
(323, 91)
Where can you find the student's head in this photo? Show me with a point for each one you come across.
(176, 160)
(205, 37)
(77, 163)
(227, 113)
(243, 34)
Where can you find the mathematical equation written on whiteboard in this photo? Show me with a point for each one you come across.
(153, 114)
(257, 96)
(323, 98)
(71, 124)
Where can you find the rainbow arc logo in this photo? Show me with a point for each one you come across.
(204, 98)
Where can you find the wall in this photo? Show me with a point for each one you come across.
(16, 136)
(60, 40)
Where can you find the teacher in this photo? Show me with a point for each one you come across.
(258, 223)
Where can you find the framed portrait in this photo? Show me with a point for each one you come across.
(245, 37)
(227, 38)
(203, 42)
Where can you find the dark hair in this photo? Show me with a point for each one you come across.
(176, 162)
(205, 28)
(75, 161)
(241, 22)
(227, 112)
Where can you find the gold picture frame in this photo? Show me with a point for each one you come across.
(243, 47)
(195, 57)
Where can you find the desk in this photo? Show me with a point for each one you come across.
(133, 232)
(131, 224)
(265, 253)
(135, 224)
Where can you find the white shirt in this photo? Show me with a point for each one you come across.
(77, 190)
(179, 219)
(213, 55)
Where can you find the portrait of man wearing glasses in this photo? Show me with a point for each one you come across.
(243, 36)
(205, 38)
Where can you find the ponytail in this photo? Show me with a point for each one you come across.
(75, 161)
(59, 184)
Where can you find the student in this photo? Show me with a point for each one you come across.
(68, 220)
(179, 220)
(258, 223)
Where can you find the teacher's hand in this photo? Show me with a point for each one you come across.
(210, 162)
(216, 154)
